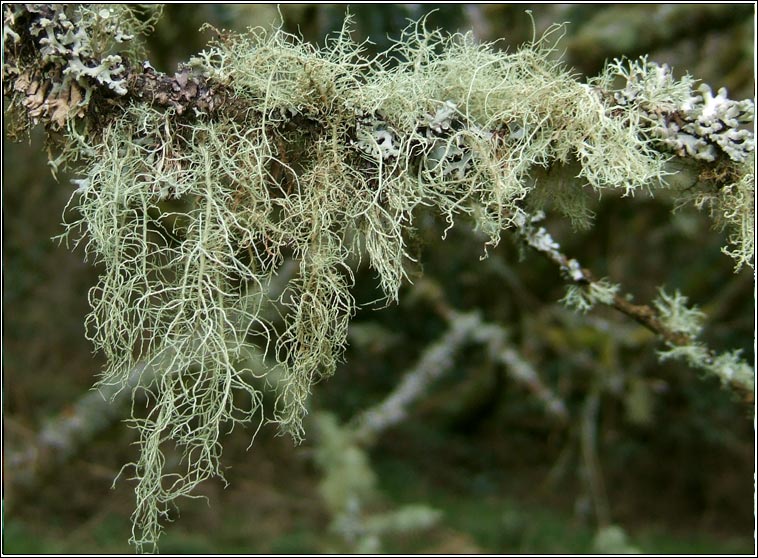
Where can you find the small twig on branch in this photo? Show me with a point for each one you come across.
(728, 367)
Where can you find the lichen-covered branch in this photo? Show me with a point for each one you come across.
(669, 317)
(437, 359)
(58, 62)
(348, 481)
(196, 187)
(521, 371)
(349, 492)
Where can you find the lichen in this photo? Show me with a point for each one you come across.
(696, 125)
(691, 123)
(584, 298)
(57, 56)
(732, 208)
(676, 315)
(729, 367)
(348, 488)
(322, 156)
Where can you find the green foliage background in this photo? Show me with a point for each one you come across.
(676, 450)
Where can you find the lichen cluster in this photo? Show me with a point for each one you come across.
(324, 159)
(348, 488)
(77, 53)
(697, 126)
(695, 123)
(728, 367)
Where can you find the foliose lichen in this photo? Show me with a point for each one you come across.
(695, 125)
(690, 123)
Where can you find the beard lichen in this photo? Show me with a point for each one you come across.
(192, 214)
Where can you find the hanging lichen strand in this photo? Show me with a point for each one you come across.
(262, 148)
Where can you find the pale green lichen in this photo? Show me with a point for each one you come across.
(184, 306)
(729, 367)
(583, 298)
(732, 208)
(348, 489)
(676, 315)
(327, 161)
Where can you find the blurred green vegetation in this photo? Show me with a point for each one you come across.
(676, 451)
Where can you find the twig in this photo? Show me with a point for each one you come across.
(700, 356)
(501, 351)
(435, 361)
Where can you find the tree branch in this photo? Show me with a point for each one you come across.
(684, 343)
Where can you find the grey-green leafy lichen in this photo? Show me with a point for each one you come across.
(690, 123)
(698, 126)
(319, 155)
(80, 48)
